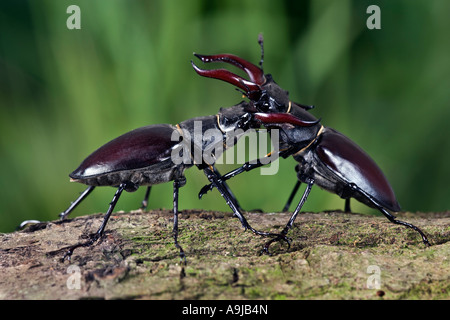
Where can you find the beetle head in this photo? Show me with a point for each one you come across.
(264, 94)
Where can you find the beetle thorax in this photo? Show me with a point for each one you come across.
(272, 98)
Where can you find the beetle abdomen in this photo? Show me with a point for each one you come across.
(346, 159)
(148, 176)
(128, 156)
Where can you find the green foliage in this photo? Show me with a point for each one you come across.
(63, 93)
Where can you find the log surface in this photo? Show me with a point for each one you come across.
(333, 255)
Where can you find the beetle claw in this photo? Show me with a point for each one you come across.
(205, 190)
(276, 237)
(279, 237)
(68, 254)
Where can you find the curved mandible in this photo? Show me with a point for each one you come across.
(255, 73)
(281, 117)
(250, 87)
(222, 74)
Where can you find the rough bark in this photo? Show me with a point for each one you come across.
(333, 255)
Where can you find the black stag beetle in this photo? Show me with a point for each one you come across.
(325, 157)
(161, 153)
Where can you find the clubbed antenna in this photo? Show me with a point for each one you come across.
(261, 44)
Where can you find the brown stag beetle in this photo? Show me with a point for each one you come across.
(325, 157)
(161, 153)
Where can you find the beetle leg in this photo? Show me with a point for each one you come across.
(305, 195)
(248, 166)
(218, 183)
(228, 190)
(75, 203)
(101, 230)
(347, 208)
(393, 219)
(291, 197)
(289, 225)
(145, 201)
(26, 222)
(177, 184)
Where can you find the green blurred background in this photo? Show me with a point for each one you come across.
(63, 93)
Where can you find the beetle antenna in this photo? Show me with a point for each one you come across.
(261, 44)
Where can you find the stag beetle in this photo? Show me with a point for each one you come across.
(146, 156)
(325, 157)
(142, 157)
